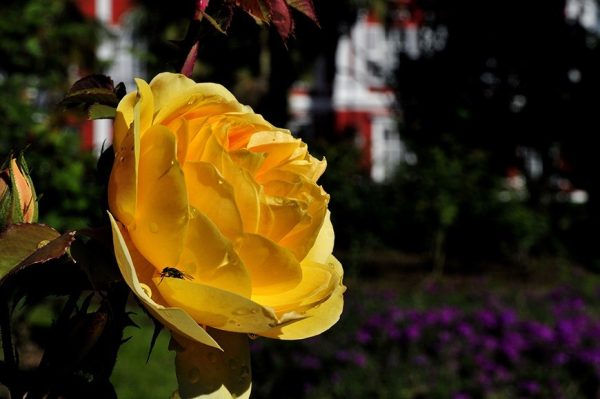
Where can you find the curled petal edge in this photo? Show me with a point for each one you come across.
(317, 319)
(174, 319)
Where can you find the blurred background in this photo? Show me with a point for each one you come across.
(462, 168)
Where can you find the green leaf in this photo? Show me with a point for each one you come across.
(19, 241)
(101, 111)
(213, 22)
(93, 89)
(49, 250)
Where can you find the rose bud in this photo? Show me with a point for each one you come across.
(18, 202)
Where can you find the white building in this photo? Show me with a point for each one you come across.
(118, 51)
(362, 100)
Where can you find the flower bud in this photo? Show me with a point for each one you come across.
(18, 202)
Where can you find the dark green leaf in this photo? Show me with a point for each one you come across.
(101, 111)
(18, 241)
(93, 89)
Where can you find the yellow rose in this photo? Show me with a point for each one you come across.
(204, 186)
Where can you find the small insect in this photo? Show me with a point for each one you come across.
(174, 273)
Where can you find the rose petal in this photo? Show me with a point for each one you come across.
(249, 161)
(210, 258)
(124, 118)
(145, 103)
(317, 319)
(280, 146)
(162, 207)
(213, 197)
(215, 307)
(271, 267)
(302, 237)
(173, 318)
(180, 95)
(323, 246)
(205, 372)
(122, 185)
(318, 282)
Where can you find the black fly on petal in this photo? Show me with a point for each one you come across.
(174, 273)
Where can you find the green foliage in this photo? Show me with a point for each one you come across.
(43, 43)
(133, 382)
(65, 180)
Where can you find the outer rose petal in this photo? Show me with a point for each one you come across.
(179, 95)
(161, 217)
(123, 118)
(215, 307)
(122, 185)
(205, 372)
(173, 318)
(323, 247)
(318, 318)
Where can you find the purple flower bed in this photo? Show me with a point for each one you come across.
(475, 350)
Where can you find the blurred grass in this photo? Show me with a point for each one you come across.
(133, 377)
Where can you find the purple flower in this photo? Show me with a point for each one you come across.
(489, 343)
(530, 387)
(444, 337)
(413, 333)
(309, 362)
(560, 358)
(539, 331)
(363, 336)
(359, 359)
(486, 318)
(465, 330)
(512, 345)
(447, 315)
(508, 317)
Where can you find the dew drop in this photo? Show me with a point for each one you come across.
(121, 159)
(242, 311)
(194, 375)
(153, 227)
(212, 357)
(244, 372)
(220, 182)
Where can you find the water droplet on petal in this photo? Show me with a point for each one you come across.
(153, 227)
(242, 311)
(244, 372)
(212, 357)
(220, 181)
(194, 375)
